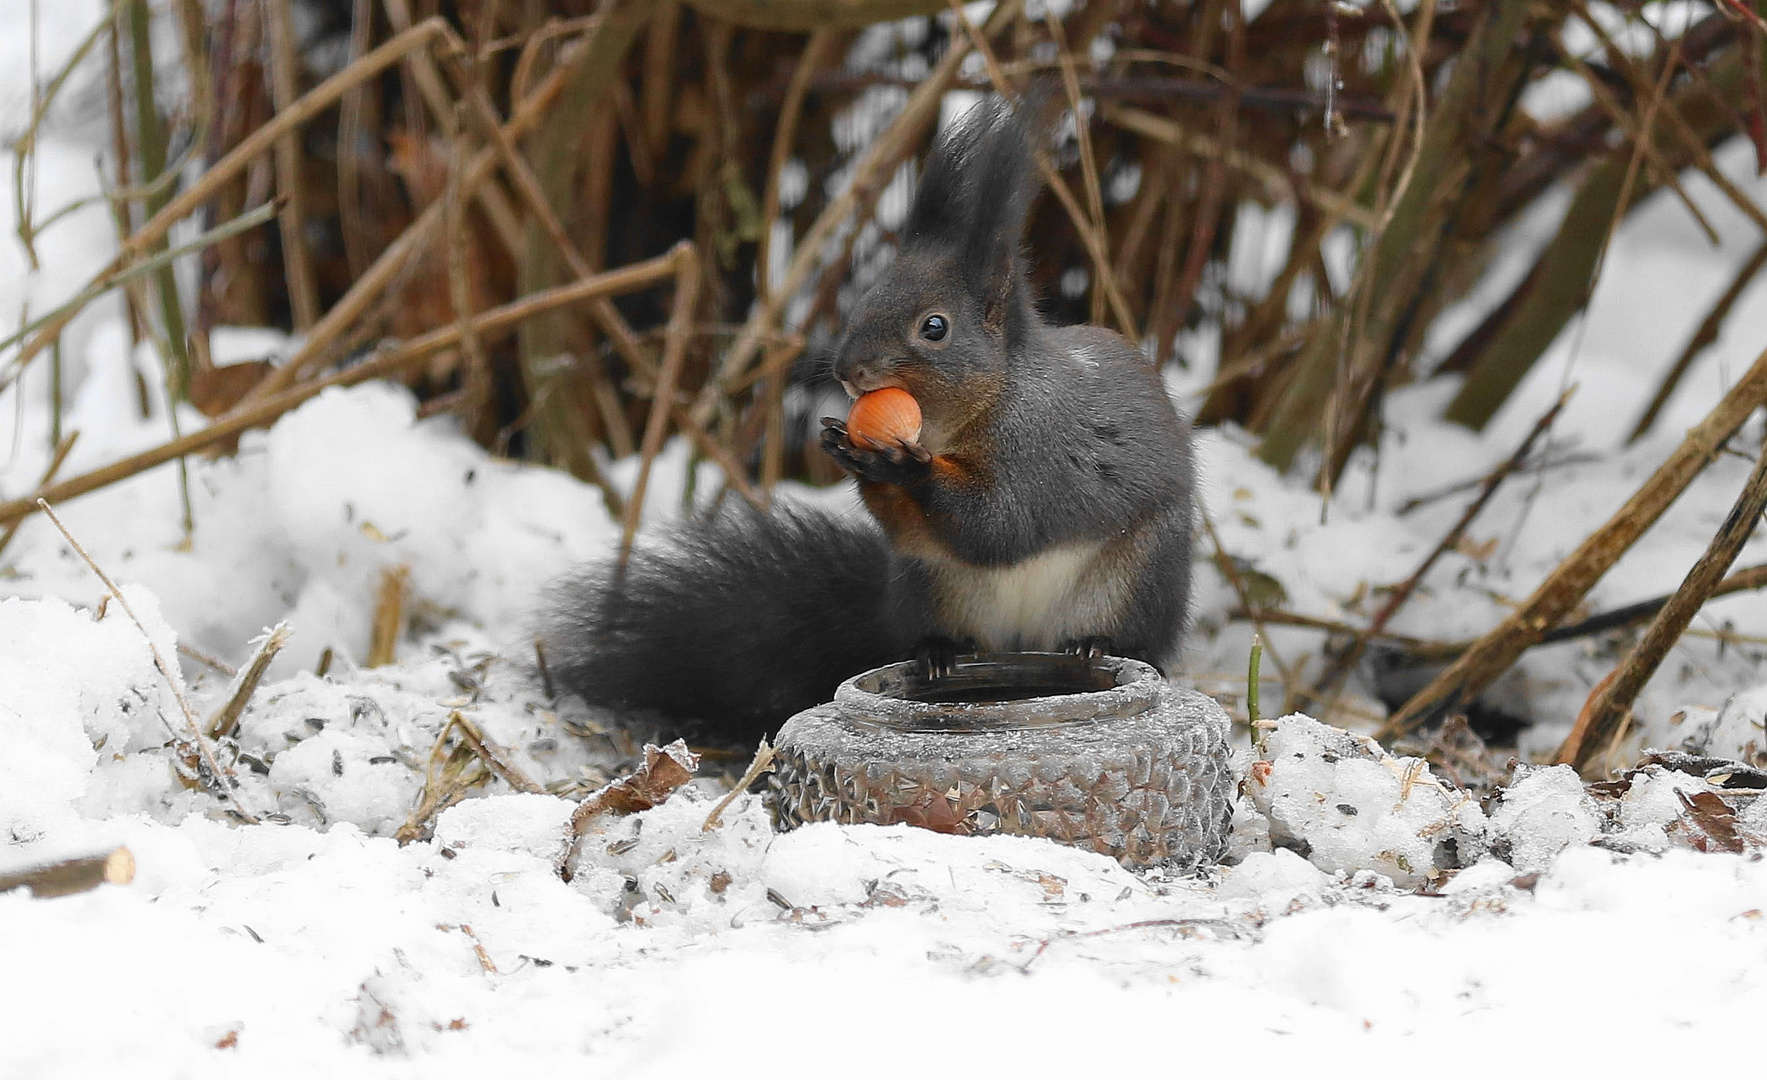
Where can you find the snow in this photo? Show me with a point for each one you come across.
(1353, 807)
(317, 941)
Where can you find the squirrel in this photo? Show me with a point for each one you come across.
(1045, 506)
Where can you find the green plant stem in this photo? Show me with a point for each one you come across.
(1251, 691)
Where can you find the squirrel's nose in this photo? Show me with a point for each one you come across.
(850, 371)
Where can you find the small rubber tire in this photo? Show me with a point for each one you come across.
(1128, 766)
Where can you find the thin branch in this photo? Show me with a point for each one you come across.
(491, 323)
(1599, 725)
(1492, 654)
(220, 782)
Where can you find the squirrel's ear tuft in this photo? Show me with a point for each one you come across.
(975, 194)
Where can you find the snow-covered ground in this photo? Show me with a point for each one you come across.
(1543, 921)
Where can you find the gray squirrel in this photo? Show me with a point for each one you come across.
(1046, 505)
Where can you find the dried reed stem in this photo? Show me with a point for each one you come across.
(226, 719)
(389, 615)
(1702, 338)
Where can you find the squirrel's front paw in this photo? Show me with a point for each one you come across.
(898, 463)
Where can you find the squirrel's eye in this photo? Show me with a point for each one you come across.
(935, 327)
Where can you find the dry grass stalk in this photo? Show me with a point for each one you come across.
(389, 615)
(449, 777)
(544, 670)
(352, 127)
(1492, 654)
(226, 719)
(663, 770)
(492, 755)
(687, 275)
(816, 52)
(763, 760)
(1070, 78)
(193, 748)
(213, 663)
(446, 781)
(252, 414)
(69, 876)
(478, 948)
(1599, 726)
(612, 323)
(476, 391)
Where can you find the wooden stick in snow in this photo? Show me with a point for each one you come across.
(69, 876)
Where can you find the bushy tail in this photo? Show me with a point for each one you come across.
(729, 626)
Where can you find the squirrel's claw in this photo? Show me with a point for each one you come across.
(1090, 647)
(901, 463)
(937, 656)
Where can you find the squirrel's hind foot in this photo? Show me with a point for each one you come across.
(1091, 647)
(937, 656)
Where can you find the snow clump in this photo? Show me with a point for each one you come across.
(1544, 811)
(1348, 805)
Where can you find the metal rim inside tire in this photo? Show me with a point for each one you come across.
(1096, 752)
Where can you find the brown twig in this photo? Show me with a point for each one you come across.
(213, 663)
(1598, 726)
(1083, 134)
(1224, 562)
(344, 315)
(1276, 182)
(1093, 239)
(1744, 580)
(492, 756)
(784, 136)
(191, 742)
(544, 670)
(1144, 924)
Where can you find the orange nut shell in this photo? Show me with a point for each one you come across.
(882, 417)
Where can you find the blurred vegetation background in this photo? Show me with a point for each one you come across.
(374, 171)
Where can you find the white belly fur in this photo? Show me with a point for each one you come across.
(1039, 604)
